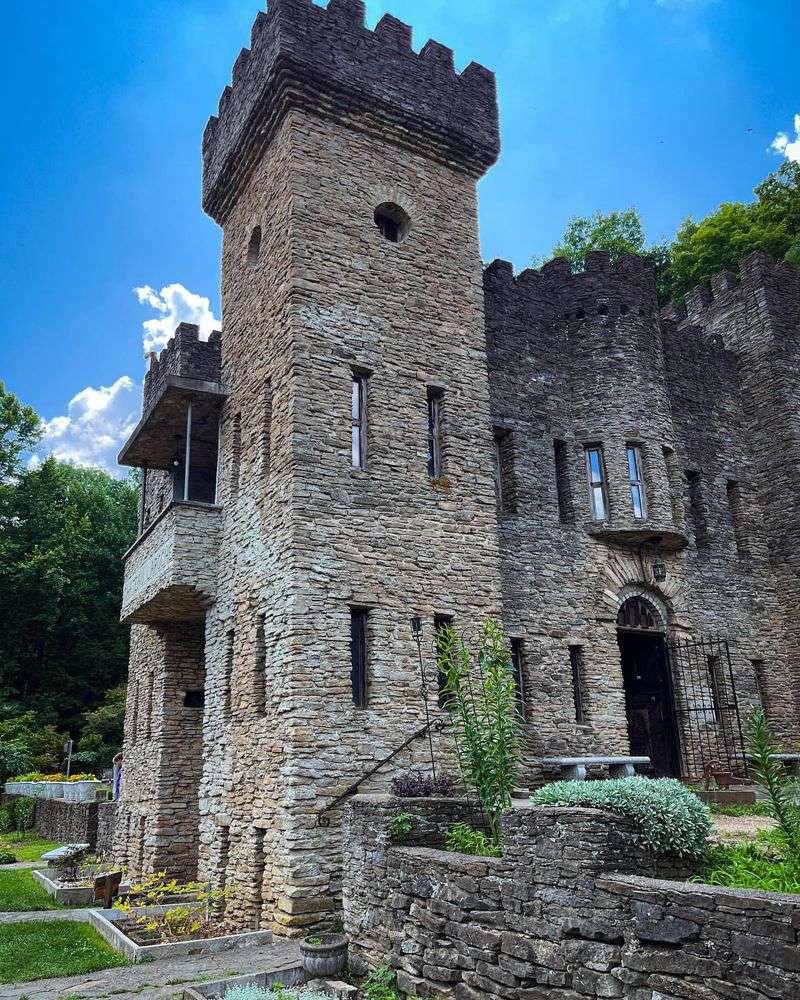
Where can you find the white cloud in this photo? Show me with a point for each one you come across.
(175, 304)
(95, 426)
(787, 147)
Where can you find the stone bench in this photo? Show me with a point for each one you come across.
(574, 768)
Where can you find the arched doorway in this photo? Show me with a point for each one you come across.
(649, 701)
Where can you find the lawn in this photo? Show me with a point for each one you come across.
(40, 949)
(19, 892)
(26, 846)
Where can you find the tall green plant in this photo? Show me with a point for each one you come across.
(480, 692)
(770, 773)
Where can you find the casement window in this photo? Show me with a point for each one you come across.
(636, 477)
(435, 397)
(358, 656)
(576, 669)
(596, 473)
(518, 672)
(441, 622)
(358, 412)
(566, 510)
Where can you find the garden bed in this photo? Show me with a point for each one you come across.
(80, 893)
(290, 975)
(115, 925)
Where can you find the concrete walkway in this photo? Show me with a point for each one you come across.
(14, 916)
(162, 980)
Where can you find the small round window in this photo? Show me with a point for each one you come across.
(394, 224)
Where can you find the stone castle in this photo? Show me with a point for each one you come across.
(386, 429)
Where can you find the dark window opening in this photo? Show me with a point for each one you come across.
(697, 508)
(566, 510)
(358, 415)
(392, 221)
(440, 623)
(194, 460)
(638, 613)
(738, 521)
(194, 699)
(504, 480)
(576, 668)
(435, 397)
(716, 685)
(358, 656)
(518, 672)
(759, 672)
(254, 246)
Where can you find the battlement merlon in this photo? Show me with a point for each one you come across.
(327, 61)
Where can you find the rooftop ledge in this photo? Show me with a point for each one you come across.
(152, 443)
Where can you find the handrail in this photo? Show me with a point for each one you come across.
(325, 821)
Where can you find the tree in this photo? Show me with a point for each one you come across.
(101, 735)
(20, 431)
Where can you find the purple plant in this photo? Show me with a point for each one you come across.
(416, 785)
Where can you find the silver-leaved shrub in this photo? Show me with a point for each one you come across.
(669, 817)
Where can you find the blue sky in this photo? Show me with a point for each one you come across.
(669, 105)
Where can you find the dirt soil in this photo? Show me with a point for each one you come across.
(733, 829)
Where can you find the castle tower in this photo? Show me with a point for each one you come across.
(355, 486)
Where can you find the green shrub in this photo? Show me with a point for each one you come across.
(14, 757)
(6, 857)
(750, 866)
(380, 985)
(23, 812)
(771, 774)
(400, 825)
(670, 819)
(6, 819)
(464, 839)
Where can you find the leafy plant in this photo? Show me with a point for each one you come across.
(6, 819)
(6, 857)
(481, 693)
(170, 921)
(669, 818)
(771, 775)
(400, 825)
(24, 813)
(380, 985)
(69, 865)
(275, 992)
(464, 839)
(416, 785)
(750, 866)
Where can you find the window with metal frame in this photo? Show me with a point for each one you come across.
(636, 477)
(518, 672)
(435, 397)
(358, 412)
(596, 474)
(358, 656)
(576, 668)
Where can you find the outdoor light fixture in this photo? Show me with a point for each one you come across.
(416, 626)
(176, 461)
(659, 567)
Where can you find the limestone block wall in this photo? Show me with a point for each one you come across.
(560, 915)
(66, 822)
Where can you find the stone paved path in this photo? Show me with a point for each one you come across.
(15, 916)
(164, 980)
(23, 864)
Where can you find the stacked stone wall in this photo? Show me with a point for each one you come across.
(184, 356)
(560, 916)
(65, 822)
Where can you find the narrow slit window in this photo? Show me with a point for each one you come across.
(228, 680)
(576, 669)
(518, 672)
(260, 667)
(194, 699)
(759, 673)
(358, 656)
(697, 508)
(505, 484)
(358, 412)
(434, 433)
(738, 523)
(596, 472)
(716, 686)
(636, 477)
(440, 623)
(566, 511)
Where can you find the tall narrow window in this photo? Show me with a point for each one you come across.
(148, 707)
(636, 477)
(254, 246)
(227, 694)
(673, 478)
(518, 672)
(596, 472)
(738, 522)
(505, 485)
(236, 453)
(358, 656)
(761, 682)
(440, 623)
(358, 412)
(260, 668)
(697, 508)
(716, 686)
(434, 433)
(566, 510)
(576, 668)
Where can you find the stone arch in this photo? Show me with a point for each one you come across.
(622, 578)
(655, 601)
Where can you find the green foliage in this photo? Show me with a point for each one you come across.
(63, 531)
(6, 819)
(748, 866)
(7, 857)
(619, 233)
(15, 757)
(43, 949)
(770, 773)
(481, 695)
(101, 735)
(400, 825)
(748, 809)
(20, 892)
(671, 820)
(20, 431)
(27, 847)
(464, 839)
(166, 920)
(276, 992)
(23, 811)
(381, 984)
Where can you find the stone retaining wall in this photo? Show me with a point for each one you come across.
(570, 911)
(106, 815)
(66, 822)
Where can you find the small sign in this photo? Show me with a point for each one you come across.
(106, 888)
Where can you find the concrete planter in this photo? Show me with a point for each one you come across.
(68, 895)
(106, 923)
(81, 791)
(291, 974)
(18, 787)
(53, 789)
(325, 959)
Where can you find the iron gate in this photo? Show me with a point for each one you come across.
(709, 728)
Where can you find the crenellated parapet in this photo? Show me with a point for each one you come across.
(325, 60)
(184, 356)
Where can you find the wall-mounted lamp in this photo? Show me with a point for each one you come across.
(176, 461)
(416, 627)
(657, 567)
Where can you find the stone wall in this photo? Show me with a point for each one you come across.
(106, 819)
(561, 916)
(66, 822)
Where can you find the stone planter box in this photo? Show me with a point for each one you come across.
(54, 789)
(82, 791)
(68, 895)
(290, 975)
(18, 788)
(106, 921)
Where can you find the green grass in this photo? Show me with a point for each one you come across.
(752, 809)
(41, 949)
(20, 892)
(26, 846)
(747, 866)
